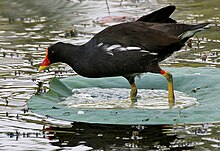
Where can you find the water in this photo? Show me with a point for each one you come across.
(117, 98)
(28, 27)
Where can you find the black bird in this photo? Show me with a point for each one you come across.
(127, 49)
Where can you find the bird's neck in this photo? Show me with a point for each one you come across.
(71, 54)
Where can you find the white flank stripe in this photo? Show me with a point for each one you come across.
(100, 44)
(110, 53)
(113, 47)
(145, 51)
(105, 46)
(154, 53)
(122, 49)
(133, 48)
(109, 49)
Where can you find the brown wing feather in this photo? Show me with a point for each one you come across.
(139, 34)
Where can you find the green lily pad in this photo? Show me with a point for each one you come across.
(197, 84)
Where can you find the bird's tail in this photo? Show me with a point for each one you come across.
(160, 16)
(192, 31)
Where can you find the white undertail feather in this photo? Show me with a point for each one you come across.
(190, 33)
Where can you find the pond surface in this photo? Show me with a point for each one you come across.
(28, 27)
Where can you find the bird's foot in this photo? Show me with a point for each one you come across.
(171, 101)
(133, 92)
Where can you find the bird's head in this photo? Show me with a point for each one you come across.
(52, 56)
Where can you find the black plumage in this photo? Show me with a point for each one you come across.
(127, 49)
(152, 42)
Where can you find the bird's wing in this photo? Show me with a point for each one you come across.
(160, 16)
(138, 35)
(128, 48)
(173, 29)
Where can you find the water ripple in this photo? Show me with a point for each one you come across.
(28, 27)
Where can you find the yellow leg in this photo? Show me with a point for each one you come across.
(133, 92)
(169, 77)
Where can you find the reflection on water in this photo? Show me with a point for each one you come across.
(119, 137)
(113, 137)
(28, 27)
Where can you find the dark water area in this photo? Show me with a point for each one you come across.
(28, 27)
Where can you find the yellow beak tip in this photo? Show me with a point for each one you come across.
(41, 68)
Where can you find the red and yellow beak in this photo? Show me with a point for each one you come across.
(45, 63)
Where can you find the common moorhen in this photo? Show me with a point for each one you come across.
(127, 49)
